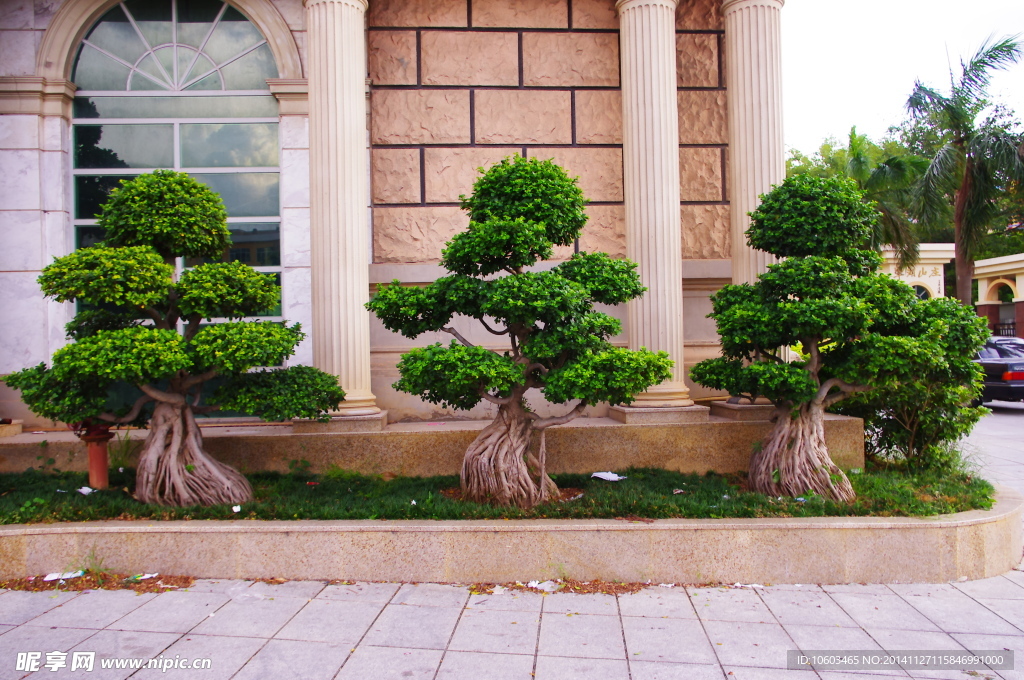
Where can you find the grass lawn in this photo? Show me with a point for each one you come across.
(35, 496)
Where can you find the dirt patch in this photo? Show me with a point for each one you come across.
(93, 580)
(564, 495)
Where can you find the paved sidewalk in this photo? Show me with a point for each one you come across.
(308, 630)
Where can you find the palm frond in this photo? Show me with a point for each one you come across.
(1000, 151)
(924, 101)
(931, 202)
(992, 56)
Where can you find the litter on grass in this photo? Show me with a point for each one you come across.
(608, 476)
(85, 491)
(236, 508)
(65, 575)
(747, 585)
(140, 577)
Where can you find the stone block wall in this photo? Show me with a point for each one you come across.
(459, 85)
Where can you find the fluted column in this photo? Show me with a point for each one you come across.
(754, 80)
(650, 157)
(339, 226)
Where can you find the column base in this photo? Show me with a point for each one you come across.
(11, 429)
(632, 415)
(665, 395)
(358, 404)
(744, 412)
(343, 423)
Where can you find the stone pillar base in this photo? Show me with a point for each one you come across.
(11, 429)
(724, 409)
(631, 415)
(368, 423)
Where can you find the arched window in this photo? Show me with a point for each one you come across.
(180, 84)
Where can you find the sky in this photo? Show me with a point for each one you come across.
(848, 63)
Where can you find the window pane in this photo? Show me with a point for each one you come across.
(251, 71)
(254, 243)
(92, 192)
(153, 18)
(210, 82)
(247, 194)
(96, 71)
(86, 237)
(195, 18)
(228, 145)
(260, 106)
(124, 146)
(233, 35)
(115, 35)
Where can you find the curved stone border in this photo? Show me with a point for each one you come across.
(975, 544)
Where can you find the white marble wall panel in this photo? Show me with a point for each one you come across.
(24, 334)
(296, 307)
(56, 134)
(18, 52)
(17, 14)
(19, 177)
(24, 246)
(294, 178)
(293, 132)
(44, 11)
(19, 132)
(58, 314)
(53, 182)
(58, 236)
(295, 237)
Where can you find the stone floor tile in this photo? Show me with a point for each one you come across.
(956, 612)
(38, 639)
(658, 602)
(561, 668)
(432, 595)
(739, 643)
(497, 631)
(174, 612)
(730, 604)
(306, 589)
(807, 608)
(575, 603)
(748, 673)
(294, 660)
(858, 588)
(115, 645)
(360, 592)
(901, 640)
(922, 589)
(217, 585)
(581, 635)
(226, 654)
(391, 663)
(882, 611)
(672, 640)
(336, 622)
(5, 627)
(510, 600)
(471, 665)
(1016, 575)
(93, 609)
(801, 587)
(252, 618)
(413, 626)
(656, 670)
(1010, 610)
(19, 606)
(863, 675)
(995, 587)
(838, 639)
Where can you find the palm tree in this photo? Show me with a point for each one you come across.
(968, 174)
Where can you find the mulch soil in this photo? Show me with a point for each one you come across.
(564, 495)
(93, 580)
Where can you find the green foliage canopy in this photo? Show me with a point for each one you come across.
(559, 343)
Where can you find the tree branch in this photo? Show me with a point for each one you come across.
(500, 401)
(159, 395)
(458, 336)
(560, 420)
(845, 389)
(192, 381)
(131, 415)
(157, 318)
(193, 327)
(491, 330)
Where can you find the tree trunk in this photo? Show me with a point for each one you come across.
(964, 259)
(174, 470)
(499, 468)
(794, 459)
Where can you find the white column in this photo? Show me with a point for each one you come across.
(754, 80)
(339, 172)
(650, 156)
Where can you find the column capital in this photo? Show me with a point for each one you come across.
(36, 95)
(360, 5)
(736, 5)
(623, 5)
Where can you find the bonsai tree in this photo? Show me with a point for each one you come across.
(557, 342)
(856, 330)
(140, 323)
